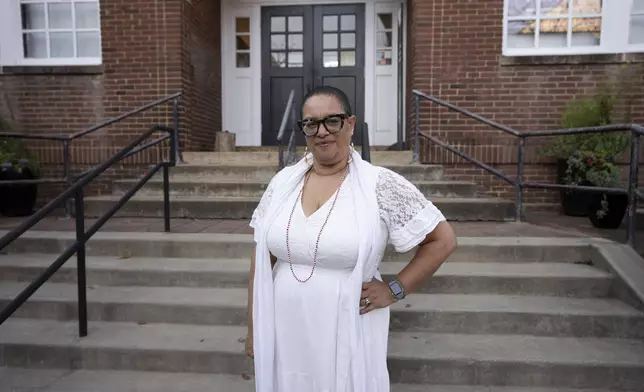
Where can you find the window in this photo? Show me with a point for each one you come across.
(384, 38)
(551, 27)
(60, 31)
(242, 42)
(637, 23)
(339, 41)
(287, 41)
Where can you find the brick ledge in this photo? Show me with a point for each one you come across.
(53, 70)
(618, 58)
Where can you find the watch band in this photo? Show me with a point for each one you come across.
(397, 289)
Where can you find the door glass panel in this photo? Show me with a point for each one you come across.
(243, 60)
(330, 59)
(348, 40)
(383, 57)
(278, 60)
(348, 59)
(242, 25)
(278, 24)
(348, 22)
(295, 59)
(385, 21)
(243, 42)
(295, 42)
(295, 24)
(330, 41)
(278, 41)
(330, 23)
(384, 40)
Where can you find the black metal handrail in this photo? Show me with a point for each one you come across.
(66, 139)
(76, 190)
(288, 155)
(518, 182)
(366, 146)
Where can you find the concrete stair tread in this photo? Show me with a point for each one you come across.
(492, 269)
(56, 380)
(237, 298)
(216, 180)
(402, 345)
(202, 199)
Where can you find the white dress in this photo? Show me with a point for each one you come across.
(306, 314)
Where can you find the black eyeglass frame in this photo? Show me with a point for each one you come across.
(342, 116)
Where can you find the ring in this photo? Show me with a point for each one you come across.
(366, 301)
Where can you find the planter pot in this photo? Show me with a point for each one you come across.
(573, 203)
(17, 200)
(613, 216)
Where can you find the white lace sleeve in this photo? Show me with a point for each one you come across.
(261, 208)
(408, 214)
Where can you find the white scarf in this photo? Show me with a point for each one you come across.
(352, 350)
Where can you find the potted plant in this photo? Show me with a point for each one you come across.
(567, 149)
(16, 163)
(605, 210)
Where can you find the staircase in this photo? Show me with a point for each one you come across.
(230, 185)
(168, 311)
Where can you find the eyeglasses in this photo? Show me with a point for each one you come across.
(333, 124)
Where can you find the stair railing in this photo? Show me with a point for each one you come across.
(518, 181)
(288, 155)
(76, 190)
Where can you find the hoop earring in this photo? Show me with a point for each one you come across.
(351, 153)
(306, 153)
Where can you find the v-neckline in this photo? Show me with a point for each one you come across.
(301, 204)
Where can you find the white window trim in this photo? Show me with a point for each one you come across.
(11, 45)
(615, 16)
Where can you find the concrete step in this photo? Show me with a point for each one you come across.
(204, 207)
(250, 188)
(439, 313)
(264, 172)
(56, 380)
(414, 357)
(217, 245)
(545, 279)
(271, 157)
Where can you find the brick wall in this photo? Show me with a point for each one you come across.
(201, 72)
(454, 53)
(151, 49)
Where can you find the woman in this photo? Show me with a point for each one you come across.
(319, 320)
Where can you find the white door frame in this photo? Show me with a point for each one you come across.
(241, 87)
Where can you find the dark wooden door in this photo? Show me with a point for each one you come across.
(308, 46)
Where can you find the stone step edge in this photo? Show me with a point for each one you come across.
(463, 348)
(491, 269)
(53, 380)
(484, 241)
(236, 298)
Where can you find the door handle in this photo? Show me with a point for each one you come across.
(308, 88)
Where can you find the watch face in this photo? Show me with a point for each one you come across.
(395, 287)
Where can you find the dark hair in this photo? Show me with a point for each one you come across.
(332, 92)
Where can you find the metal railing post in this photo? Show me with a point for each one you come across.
(416, 156)
(632, 188)
(175, 125)
(81, 263)
(519, 182)
(67, 174)
(166, 197)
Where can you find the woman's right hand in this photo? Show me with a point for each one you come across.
(248, 344)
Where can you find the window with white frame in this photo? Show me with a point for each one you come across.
(636, 36)
(65, 32)
(551, 27)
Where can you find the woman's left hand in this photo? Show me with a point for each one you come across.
(375, 295)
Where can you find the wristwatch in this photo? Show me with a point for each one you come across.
(397, 289)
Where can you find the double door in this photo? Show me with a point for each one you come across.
(308, 46)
